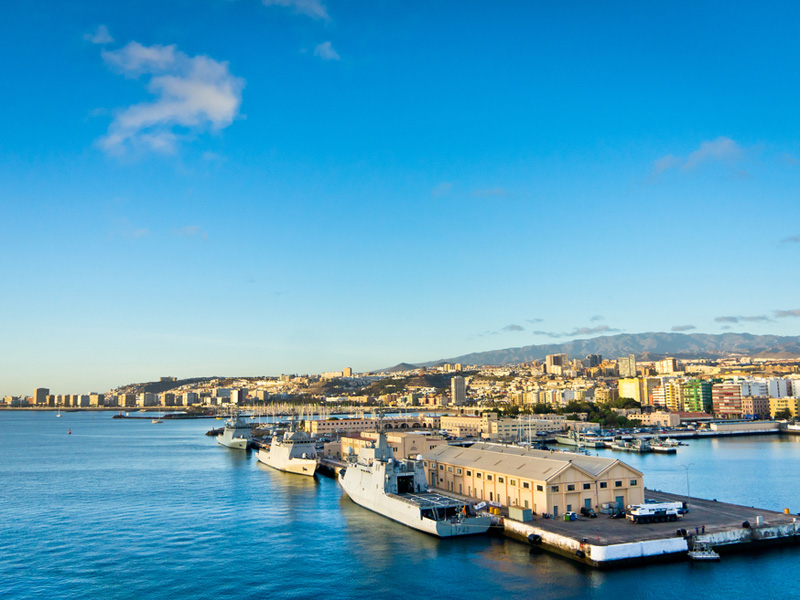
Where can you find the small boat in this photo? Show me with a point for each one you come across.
(703, 552)
(580, 440)
(635, 445)
(661, 447)
(158, 418)
(672, 443)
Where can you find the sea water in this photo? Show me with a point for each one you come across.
(130, 509)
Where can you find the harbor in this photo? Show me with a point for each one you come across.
(111, 504)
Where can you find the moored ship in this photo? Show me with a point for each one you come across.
(397, 489)
(580, 440)
(295, 452)
(236, 434)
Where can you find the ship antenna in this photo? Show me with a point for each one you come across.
(380, 421)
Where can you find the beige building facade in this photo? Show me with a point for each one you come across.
(347, 426)
(544, 481)
(404, 445)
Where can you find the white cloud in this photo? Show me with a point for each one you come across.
(310, 8)
(666, 162)
(720, 149)
(100, 36)
(192, 94)
(326, 52)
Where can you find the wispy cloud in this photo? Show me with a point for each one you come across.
(441, 189)
(792, 239)
(720, 149)
(100, 35)
(192, 95)
(512, 328)
(592, 330)
(310, 8)
(495, 192)
(191, 231)
(536, 320)
(596, 318)
(740, 319)
(665, 163)
(678, 328)
(326, 52)
(782, 314)
(578, 331)
(121, 227)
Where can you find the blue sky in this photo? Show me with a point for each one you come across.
(239, 187)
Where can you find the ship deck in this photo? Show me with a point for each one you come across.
(428, 500)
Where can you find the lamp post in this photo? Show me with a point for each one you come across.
(688, 491)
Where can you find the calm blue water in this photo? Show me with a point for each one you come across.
(127, 509)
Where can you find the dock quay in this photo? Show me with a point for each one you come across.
(611, 543)
(330, 467)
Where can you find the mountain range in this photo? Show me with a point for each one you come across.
(646, 346)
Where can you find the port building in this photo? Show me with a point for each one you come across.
(542, 480)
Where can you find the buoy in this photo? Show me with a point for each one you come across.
(69, 432)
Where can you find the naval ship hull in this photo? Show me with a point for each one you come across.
(408, 508)
(299, 466)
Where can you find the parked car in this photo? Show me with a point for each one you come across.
(617, 514)
(588, 512)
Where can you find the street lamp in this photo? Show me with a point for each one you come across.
(688, 492)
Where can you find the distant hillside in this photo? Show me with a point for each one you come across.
(646, 346)
(400, 368)
(158, 387)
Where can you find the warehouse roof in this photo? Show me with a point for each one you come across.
(540, 465)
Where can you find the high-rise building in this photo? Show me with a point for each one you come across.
(40, 396)
(238, 396)
(458, 390)
(627, 366)
(347, 372)
(593, 360)
(696, 396)
(555, 360)
(726, 399)
(640, 389)
(667, 366)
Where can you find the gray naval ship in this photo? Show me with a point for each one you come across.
(237, 433)
(397, 489)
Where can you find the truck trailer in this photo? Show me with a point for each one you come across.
(652, 512)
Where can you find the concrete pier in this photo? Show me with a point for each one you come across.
(607, 543)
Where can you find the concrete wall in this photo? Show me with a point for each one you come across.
(637, 549)
(596, 553)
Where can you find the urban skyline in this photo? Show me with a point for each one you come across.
(266, 187)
